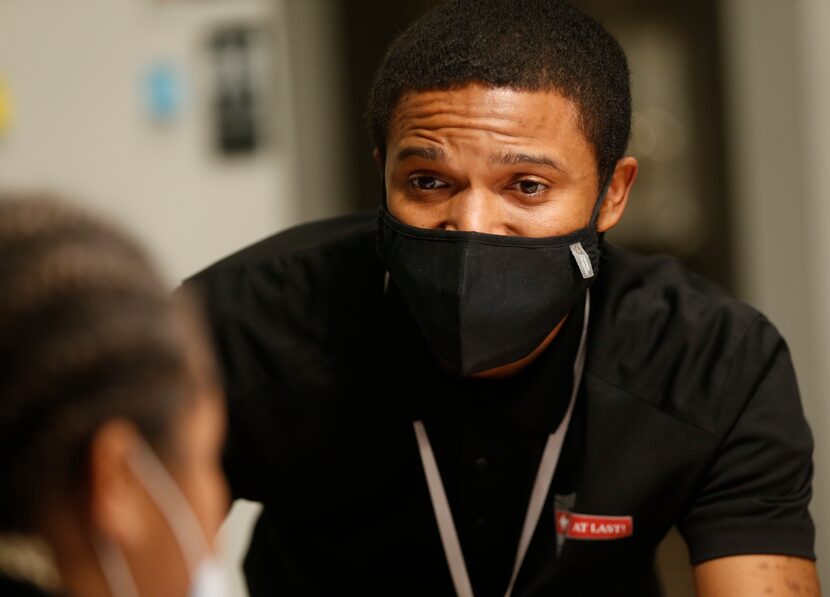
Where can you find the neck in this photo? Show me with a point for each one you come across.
(82, 577)
(76, 561)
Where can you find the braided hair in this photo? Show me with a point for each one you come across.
(88, 333)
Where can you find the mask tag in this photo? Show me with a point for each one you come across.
(582, 260)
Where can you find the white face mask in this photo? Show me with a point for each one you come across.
(207, 573)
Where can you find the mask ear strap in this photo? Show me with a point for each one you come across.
(172, 503)
(114, 566)
(598, 205)
(383, 187)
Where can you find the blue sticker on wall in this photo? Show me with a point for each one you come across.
(163, 92)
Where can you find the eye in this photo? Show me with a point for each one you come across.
(529, 186)
(423, 182)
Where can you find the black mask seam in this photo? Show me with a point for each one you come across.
(462, 281)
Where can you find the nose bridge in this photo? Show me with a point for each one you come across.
(473, 210)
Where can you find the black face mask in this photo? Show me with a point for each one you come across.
(486, 300)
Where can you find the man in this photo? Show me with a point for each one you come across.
(474, 394)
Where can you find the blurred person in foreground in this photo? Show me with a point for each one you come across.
(111, 421)
(473, 393)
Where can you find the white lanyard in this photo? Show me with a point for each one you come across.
(544, 477)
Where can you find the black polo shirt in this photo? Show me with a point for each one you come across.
(688, 414)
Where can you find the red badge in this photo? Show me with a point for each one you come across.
(593, 527)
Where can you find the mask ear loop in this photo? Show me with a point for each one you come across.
(116, 571)
(167, 495)
(592, 223)
(381, 210)
(383, 187)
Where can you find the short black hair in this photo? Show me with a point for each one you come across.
(528, 45)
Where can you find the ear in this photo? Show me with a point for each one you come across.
(117, 502)
(616, 198)
(379, 160)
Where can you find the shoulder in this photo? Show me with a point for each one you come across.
(340, 233)
(669, 337)
(292, 299)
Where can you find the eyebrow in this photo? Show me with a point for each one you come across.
(511, 159)
(434, 154)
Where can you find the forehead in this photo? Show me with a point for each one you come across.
(504, 115)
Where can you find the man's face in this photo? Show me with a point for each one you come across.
(489, 160)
